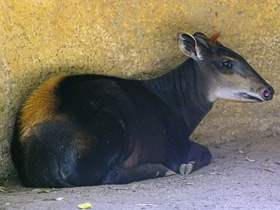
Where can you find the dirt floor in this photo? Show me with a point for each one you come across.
(244, 174)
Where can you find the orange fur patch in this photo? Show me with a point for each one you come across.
(214, 38)
(40, 106)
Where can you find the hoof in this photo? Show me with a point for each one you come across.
(170, 173)
(186, 169)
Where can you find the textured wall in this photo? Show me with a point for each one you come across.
(39, 38)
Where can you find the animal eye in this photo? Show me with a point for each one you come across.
(227, 64)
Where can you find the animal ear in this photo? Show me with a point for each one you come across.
(189, 46)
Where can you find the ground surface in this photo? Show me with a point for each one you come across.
(244, 174)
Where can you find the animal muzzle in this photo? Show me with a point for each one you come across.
(267, 93)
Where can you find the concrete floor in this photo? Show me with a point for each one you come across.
(244, 174)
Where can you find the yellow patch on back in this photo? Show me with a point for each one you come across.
(40, 106)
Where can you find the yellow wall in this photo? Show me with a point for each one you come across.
(40, 38)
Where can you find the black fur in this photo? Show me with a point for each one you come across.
(101, 120)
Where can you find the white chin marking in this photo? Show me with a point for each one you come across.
(240, 95)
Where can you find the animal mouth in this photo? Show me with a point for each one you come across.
(251, 97)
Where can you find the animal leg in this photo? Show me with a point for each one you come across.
(197, 157)
(137, 173)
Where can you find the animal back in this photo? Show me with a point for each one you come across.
(40, 106)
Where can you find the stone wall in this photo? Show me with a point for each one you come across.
(42, 38)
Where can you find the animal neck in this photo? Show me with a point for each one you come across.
(184, 90)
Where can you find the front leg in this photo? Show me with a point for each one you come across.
(197, 156)
(188, 157)
(137, 173)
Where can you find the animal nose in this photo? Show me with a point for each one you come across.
(267, 93)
